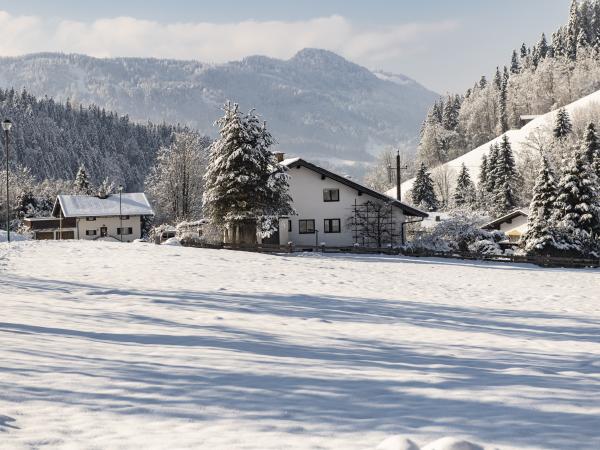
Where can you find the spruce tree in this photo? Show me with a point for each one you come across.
(543, 47)
(562, 126)
(492, 160)
(450, 115)
(464, 195)
(498, 79)
(515, 67)
(592, 146)
(504, 174)
(540, 237)
(246, 190)
(523, 51)
(577, 206)
(423, 192)
(81, 184)
(572, 31)
(502, 98)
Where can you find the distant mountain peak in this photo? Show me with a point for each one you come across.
(316, 57)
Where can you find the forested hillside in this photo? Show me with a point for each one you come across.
(53, 139)
(317, 104)
(536, 79)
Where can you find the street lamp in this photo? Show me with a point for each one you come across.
(120, 210)
(6, 126)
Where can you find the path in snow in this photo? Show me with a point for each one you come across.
(108, 345)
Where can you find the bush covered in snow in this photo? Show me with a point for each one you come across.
(459, 233)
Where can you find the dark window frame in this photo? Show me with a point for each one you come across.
(289, 225)
(305, 222)
(91, 232)
(125, 217)
(129, 231)
(90, 218)
(328, 225)
(327, 197)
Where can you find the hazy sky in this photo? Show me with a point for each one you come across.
(444, 44)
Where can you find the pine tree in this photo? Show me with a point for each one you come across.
(423, 192)
(504, 174)
(577, 206)
(540, 236)
(523, 51)
(246, 190)
(464, 195)
(502, 98)
(572, 31)
(543, 46)
(591, 145)
(483, 182)
(515, 67)
(82, 185)
(483, 82)
(492, 160)
(450, 115)
(498, 79)
(562, 126)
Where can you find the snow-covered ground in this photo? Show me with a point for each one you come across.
(109, 345)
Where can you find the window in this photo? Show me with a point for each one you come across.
(306, 226)
(125, 217)
(331, 195)
(125, 231)
(332, 226)
(90, 218)
(90, 232)
(289, 226)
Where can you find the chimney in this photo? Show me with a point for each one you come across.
(279, 155)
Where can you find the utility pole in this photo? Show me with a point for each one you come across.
(6, 126)
(398, 169)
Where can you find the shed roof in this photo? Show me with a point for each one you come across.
(130, 204)
(511, 215)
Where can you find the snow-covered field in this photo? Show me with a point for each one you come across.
(109, 346)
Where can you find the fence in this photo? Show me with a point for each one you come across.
(545, 261)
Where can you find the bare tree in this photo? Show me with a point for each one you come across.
(373, 224)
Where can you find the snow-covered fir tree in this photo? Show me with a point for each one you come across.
(491, 174)
(562, 125)
(577, 206)
(423, 191)
(81, 184)
(464, 194)
(503, 174)
(592, 148)
(246, 190)
(540, 235)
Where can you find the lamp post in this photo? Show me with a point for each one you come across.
(120, 211)
(6, 126)
(398, 170)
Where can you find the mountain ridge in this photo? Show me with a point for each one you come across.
(318, 104)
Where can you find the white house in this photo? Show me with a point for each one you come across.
(513, 224)
(91, 217)
(338, 212)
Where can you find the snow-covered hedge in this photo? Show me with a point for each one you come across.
(459, 233)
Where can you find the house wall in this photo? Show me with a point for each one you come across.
(306, 190)
(111, 223)
(517, 222)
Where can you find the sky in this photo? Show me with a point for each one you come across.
(444, 44)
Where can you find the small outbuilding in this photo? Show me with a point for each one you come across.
(513, 225)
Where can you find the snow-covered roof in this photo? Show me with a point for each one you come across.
(511, 215)
(131, 204)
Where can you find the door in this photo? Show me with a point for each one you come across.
(103, 232)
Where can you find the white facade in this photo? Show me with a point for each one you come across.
(307, 185)
(91, 228)
(514, 224)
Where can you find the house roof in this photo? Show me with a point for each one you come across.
(408, 210)
(131, 204)
(511, 215)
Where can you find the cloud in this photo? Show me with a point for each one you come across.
(212, 42)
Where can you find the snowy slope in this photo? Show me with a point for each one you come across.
(518, 140)
(318, 104)
(140, 346)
